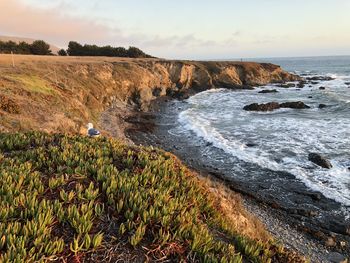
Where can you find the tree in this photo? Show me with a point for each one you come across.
(75, 49)
(40, 47)
(62, 52)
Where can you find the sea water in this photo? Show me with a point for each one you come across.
(281, 140)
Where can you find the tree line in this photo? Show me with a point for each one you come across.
(40, 47)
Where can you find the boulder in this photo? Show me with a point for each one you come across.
(322, 88)
(320, 160)
(275, 105)
(310, 97)
(294, 105)
(321, 78)
(262, 107)
(321, 106)
(268, 91)
(347, 83)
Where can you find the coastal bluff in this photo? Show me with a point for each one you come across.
(62, 94)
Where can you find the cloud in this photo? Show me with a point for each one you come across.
(53, 24)
(50, 24)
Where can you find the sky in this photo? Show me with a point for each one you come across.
(187, 29)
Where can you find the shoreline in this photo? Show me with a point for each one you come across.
(283, 227)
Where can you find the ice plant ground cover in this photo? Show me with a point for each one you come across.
(70, 197)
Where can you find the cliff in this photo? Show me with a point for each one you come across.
(57, 94)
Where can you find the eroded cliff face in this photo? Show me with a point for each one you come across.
(62, 94)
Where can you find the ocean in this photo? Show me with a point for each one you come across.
(282, 139)
(265, 154)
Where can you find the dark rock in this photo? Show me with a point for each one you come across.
(322, 88)
(310, 97)
(262, 107)
(268, 91)
(321, 78)
(301, 84)
(336, 257)
(314, 82)
(347, 83)
(294, 105)
(321, 106)
(286, 85)
(250, 144)
(339, 227)
(275, 105)
(320, 160)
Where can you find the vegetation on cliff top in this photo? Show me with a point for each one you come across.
(38, 47)
(69, 197)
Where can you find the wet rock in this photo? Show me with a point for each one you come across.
(339, 227)
(310, 97)
(322, 88)
(321, 106)
(306, 212)
(320, 78)
(286, 85)
(251, 145)
(314, 82)
(294, 105)
(301, 84)
(268, 91)
(347, 83)
(320, 160)
(262, 107)
(336, 257)
(275, 105)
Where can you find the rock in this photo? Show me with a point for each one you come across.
(275, 105)
(262, 107)
(310, 97)
(314, 82)
(321, 106)
(330, 242)
(286, 85)
(250, 144)
(336, 257)
(294, 105)
(322, 88)
(301, 84)
(347, 83)
(320, 160)
(321, 78)
(268, 91)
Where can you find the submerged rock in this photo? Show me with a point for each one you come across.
(322, 88)
(270, 106)
(321, 106)
(268, 91)
(321, 78)
(320, 160)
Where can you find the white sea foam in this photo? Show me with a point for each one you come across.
(284, 137)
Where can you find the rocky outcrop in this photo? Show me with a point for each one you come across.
(270, 106)
(320, 160)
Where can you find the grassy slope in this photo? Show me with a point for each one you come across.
(80, 199)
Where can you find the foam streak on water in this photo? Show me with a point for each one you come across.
(282, 138)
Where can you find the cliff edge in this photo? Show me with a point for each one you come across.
(61, 94)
